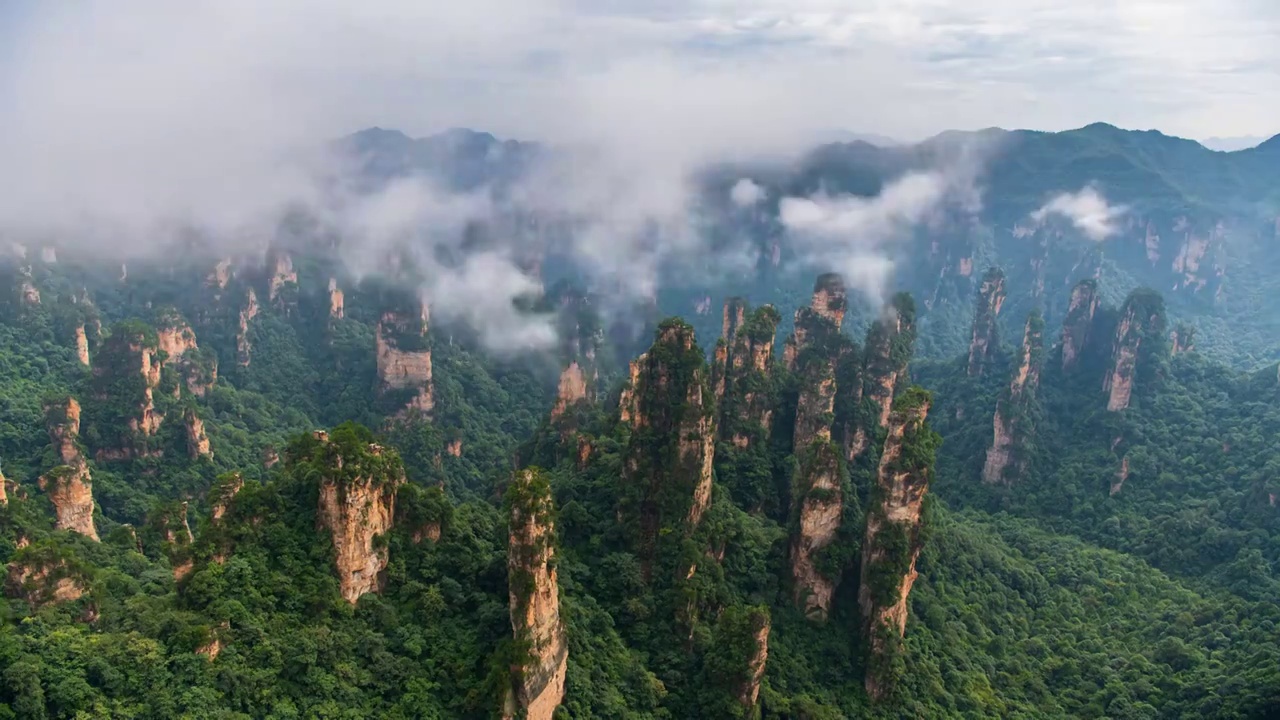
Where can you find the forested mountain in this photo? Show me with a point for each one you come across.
(797, 520)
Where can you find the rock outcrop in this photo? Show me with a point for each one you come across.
(825, 310)
(82, 346)
(1078, 324)
(892, 541)
(127, 372)
(244, 347)
(1182, 339)
(984, 340)
(1012, 421)
(171, 523)
(1139, 335)
(221, 274)
(223, 493)
(668, 463)
(749, 690)
(538, 672)
(337, 301)
(43, 576)
(404, 357)
(280, 273)
(889, 344)
(197, 440)
(69, 485)
(27, 290)
(174, 337)
(820, 498)
(571, 390)
(358, 488)
(742, 373)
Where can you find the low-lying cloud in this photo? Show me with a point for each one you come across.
(1088, 210)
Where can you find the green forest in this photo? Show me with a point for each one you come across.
(259, 499)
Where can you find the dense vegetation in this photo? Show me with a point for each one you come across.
(1053, 596)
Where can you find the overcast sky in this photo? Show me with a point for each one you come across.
(728, 71)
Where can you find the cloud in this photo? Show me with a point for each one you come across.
(860, 237)
(746, 193)
(1087, 209)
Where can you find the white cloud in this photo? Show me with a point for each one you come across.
(1087, 209)
(746, 193)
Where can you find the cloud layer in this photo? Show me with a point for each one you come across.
(1087, 209)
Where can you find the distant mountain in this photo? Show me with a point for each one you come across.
(1232, 144)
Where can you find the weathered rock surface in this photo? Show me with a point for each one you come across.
(43, 578)
(821, 505)
(889, 345)
(984, 340)
(279, 273)
(1079, 321)
(742, 373)
(244, 347)
(69, 486)
(1138, 336)
(1011, 422)
(337, 300)
(538, 676)
(404, 357)
(749, 693)
(892, 541)
(82, 346)
(197, 440)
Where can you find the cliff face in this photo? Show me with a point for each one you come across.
(197, 440)
(175, 337)
(984, 340)
(571, 390)
(817, 347)
(1011, 422)
(749, 692)
(889, 345)
(41, 578)
(1139, 335)
(538, 675)
(668, 462)
(69, 485)
(127, 372)
(178, 540)
(892, 541)
(742, 374)
(357, 504)
(337, 300)
(222, 493)
(404, 357)
(1079, 321)
(82, 346)
(244, 348)
(279, 273)
(820, 498)
(221, 274)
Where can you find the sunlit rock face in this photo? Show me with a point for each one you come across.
(538, 677)
(890, 342)
(1079, 321)
(984, 340)
(742, 373)
(404, 357)
(1011, 422)
(1140, 336)
(69, 485)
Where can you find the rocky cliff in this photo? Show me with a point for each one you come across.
(742, 373)
(541, 651)
(280, 273)
(668, 462)
(223, 493)
(1012, 422)
(43, 576)
(82, 346)
(170, 522)
(1078, 324)
(1139, 336)
(890, 342)
(749, 690)
(197, 440)
(244, 347)
(358, 488)
(892, 540)
(404, 357)
(69, 486)
(337, 301)
(984, 340)
(819, 497)
(126, 373)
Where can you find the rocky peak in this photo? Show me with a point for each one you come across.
(358, 484)
(1078, 323)
(984, 341)
(892, 541)
(279, 273)
(69, 486)
(1139, 335)
(889, 345)
(669, 457)
(82, 346)
(824, 315)
(174, 337)
(820, 499)
(538, 673)
(1011, 421)
(571, 390)
(742, 372)
(830, 300)
(404, 356)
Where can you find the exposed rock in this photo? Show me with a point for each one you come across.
(1079, 321)
(222, 494)
(69, 486)
(1142, 320)
(270, 457)
(741, 374)
(211, 648)
(572, 389)
(221, 274)
(357, 504)
(627, 401)
(1182, 339)
(821, 504)
(892, 541)
(454, 448)
(174, 337)
(1121, 475)
(280, 272)
(336, 300)
(404, 357)
(82, 346)
(30, 295)
(178, 539)
(1011, 423)
(538, 675)
(197, 440)
(984, 340)
(244, 348)
(749, 692)
(668, 463)
(964, 268)
(41, 577)
(889, 345)
(4, 490)
(130, 351)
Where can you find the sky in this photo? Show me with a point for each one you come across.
(121, 120)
